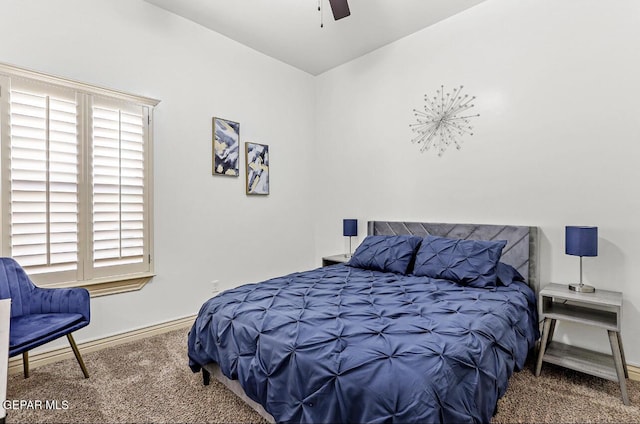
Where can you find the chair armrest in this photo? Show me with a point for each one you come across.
(67, 300)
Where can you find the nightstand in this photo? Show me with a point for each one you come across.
(335, 259)
(603, 309)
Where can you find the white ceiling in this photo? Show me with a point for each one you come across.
(289, 30)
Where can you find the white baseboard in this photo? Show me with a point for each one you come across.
(634, 372)
(39, 359)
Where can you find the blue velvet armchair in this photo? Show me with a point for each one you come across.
(40, 315)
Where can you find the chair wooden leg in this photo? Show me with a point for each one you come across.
(25, 364)
(78, 357)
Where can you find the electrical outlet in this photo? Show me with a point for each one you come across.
(215, 286)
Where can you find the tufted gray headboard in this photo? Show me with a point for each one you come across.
(521, 250)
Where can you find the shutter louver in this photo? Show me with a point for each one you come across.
(118, 186)
(44, 181)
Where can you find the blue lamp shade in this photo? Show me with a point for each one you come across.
(349, 227)
(581, 241)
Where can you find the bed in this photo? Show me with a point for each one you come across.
(382, 339)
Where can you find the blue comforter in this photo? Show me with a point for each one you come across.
(341, 344)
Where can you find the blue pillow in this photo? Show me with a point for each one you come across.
(508, 274)
(385, 253)
(466, 262)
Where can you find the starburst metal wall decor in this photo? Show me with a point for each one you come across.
(442, 122)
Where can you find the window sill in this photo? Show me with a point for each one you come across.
(110, 285)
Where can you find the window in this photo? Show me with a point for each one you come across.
(76, 159)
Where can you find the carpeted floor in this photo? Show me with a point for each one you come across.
(149, 382)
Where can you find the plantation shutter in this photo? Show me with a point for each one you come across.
(119, 134)
(44, 170)
(76, 191)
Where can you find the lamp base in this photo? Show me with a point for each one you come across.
(581, 288)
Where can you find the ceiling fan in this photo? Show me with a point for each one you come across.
(340, 9)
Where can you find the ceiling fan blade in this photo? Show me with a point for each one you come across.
(340, 9)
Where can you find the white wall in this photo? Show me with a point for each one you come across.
(206, 228)
(557, 142)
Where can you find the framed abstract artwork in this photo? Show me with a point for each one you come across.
(257, 160)
(226, 147)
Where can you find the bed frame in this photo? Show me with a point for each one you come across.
(521, 252)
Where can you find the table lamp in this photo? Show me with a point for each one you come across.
(349, 229)
(581, 241)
